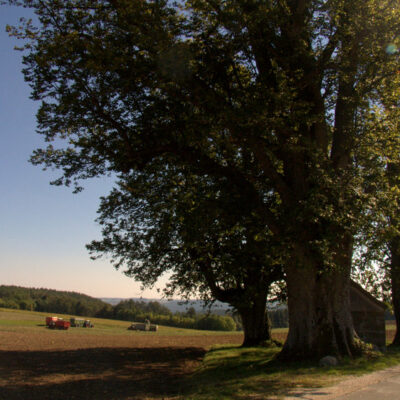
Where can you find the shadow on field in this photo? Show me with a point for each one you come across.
(99, 373)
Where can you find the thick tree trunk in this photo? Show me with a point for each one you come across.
(249, 299)
(393, 173)
(255, 321)
(395, 281)
(320, 321)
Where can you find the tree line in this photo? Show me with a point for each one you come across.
(47, 300)
(253, 142)
(130, 310)
(62, 302)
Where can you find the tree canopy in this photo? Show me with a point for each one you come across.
(198, 231)
(272, 102)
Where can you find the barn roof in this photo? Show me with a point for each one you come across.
(368, 295)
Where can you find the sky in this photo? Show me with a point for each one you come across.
(44, 228)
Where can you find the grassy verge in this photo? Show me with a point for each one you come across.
(235, 373)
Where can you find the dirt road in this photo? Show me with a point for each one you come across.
(380, 385)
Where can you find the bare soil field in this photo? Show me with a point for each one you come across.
(106, 363)
(65, 365)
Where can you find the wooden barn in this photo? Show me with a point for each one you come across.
(368, 316)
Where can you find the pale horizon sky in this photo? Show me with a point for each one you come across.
(44, 228)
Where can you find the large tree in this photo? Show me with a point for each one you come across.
(394, 247)
(269, 95)
(201, 233)
(377, 259)
(378, 241)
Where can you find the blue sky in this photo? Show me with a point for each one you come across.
(43, 228)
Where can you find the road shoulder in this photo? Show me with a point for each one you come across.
(347, 386)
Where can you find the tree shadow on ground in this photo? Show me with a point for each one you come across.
(236, 373)
(163, 373)
(246, 374)
(99, 373)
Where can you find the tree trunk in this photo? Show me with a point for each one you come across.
(255, 321)
(320, 321)
(393, 173)
(395, 281)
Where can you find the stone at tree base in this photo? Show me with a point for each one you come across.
(328, 361)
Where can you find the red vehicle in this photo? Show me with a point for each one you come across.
(56, 323)
(61, 324)
(50, 320)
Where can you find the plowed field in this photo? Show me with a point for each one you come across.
(104, 363)
(65, 365)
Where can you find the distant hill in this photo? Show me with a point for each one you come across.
(65, 302)
(176, 305)
(166, 312)
(49, 300)
(278, 313)
(182, 306)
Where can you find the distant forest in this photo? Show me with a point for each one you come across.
(72, 303)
